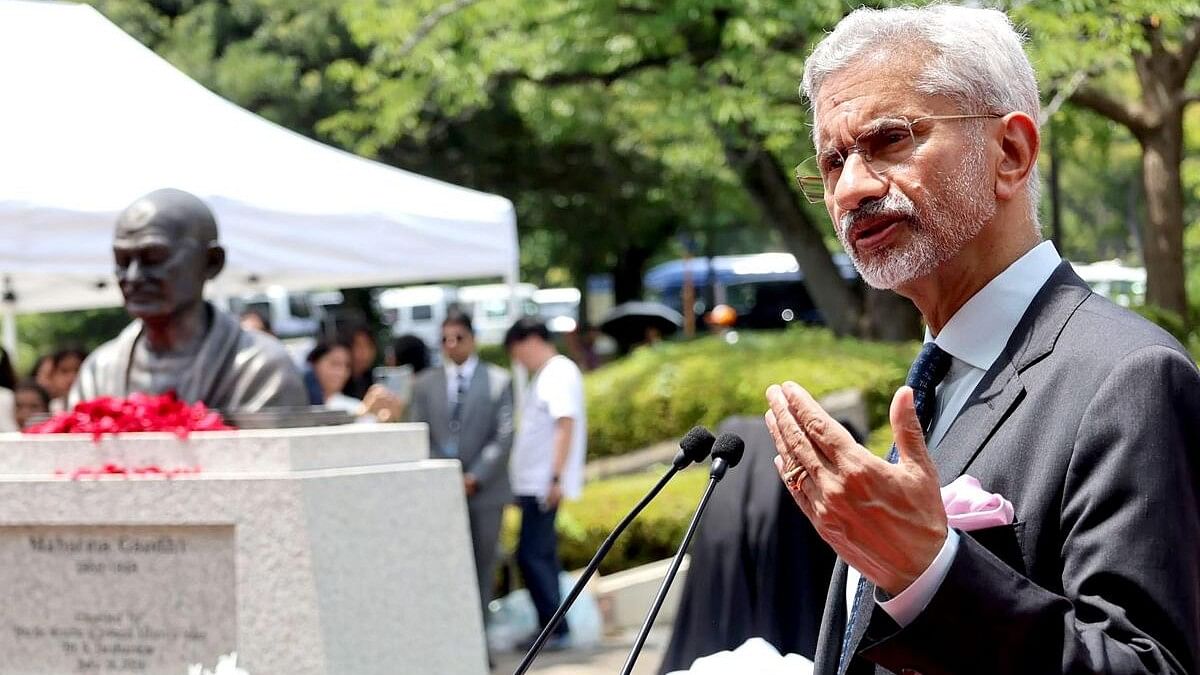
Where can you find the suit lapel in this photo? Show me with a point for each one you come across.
(993, 400)
(477, 393)
(439, 410)
(1001, 390)
(833, 623)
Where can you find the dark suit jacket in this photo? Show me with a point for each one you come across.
(1089, 423)
(485, 439)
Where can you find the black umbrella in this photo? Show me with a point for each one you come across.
(628, 322)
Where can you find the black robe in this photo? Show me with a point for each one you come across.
(758, 569)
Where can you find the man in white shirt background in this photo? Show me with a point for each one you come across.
(547, 460)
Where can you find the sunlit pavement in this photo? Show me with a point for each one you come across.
(607, 658)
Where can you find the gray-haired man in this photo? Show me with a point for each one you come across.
(1084, 416)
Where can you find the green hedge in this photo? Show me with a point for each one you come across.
(661, 391)
(583, 524)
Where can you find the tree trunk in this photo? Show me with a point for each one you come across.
(1157, 123)
(769, 187)
(890, 316)
(628, 273)
(1162, 235)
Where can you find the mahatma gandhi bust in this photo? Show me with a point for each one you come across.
(165, 249)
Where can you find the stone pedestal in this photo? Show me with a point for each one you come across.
(326, 551)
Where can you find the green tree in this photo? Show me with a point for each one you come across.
(1132, 62)
(705, 89)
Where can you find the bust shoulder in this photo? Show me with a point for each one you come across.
(117, 348)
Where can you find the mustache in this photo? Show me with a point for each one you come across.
(892, 205)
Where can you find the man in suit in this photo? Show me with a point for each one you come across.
(1083, 415)
(468, 406)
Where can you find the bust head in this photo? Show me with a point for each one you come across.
(165, 248)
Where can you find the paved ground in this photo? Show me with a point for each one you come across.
(605, 659)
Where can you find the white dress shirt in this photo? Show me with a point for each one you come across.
(975, 336)
(452, 371)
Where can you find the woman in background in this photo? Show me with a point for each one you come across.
(31, 400)
(409, 350)
(43, 372)
(67, 362)
(328, 371)
(8, 382)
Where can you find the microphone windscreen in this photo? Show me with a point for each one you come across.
(729, 447)
(696, 443)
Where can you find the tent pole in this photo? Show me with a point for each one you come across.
(520, 377)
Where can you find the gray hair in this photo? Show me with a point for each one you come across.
(976, 60)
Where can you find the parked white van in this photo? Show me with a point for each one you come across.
(1124, 285)
(417, 310)
(488, 305)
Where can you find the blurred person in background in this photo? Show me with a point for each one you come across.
(43, 371)
(409, 350)
(66, 368)
(547, 461)
(8, 382)
(254, 320)
(30, 400)
(327, 374)
(467, 404)
(363, 353)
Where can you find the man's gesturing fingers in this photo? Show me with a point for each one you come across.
(791, 443)
(824, 433)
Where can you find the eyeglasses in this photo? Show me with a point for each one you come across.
(888, 143)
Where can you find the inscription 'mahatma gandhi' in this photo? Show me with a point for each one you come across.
(163, 545)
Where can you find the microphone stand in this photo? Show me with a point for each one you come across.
(666, 584)
(589, 571)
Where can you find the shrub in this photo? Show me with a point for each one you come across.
(583, 524)
(496, 354)
(661, 391)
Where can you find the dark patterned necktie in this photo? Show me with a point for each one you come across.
(456, 414)
(926, 373)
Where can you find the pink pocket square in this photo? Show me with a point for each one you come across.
(970, 507)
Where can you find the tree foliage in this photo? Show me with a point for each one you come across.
(616, 126)
(1133, 62)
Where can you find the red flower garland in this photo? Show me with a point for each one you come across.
(135, 413)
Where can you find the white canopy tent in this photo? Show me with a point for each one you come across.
(90, 120)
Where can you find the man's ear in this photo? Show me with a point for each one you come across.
(214, 261)
(1019, 143)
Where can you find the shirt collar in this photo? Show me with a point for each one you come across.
(467, 368)
(980, 329)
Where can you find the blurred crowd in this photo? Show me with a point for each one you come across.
(26, 399)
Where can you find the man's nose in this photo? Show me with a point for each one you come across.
(857, 184)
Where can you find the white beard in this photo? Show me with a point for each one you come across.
(956, 212)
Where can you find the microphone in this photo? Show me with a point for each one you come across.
(693, 447)
(726, 452)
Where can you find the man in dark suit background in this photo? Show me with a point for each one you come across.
(1083, 415)
(468, 406)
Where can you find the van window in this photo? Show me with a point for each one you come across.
(422, 312)
(298, 306)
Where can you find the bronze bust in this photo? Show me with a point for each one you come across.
(165, 248)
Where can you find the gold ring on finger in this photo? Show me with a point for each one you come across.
(795, 478)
